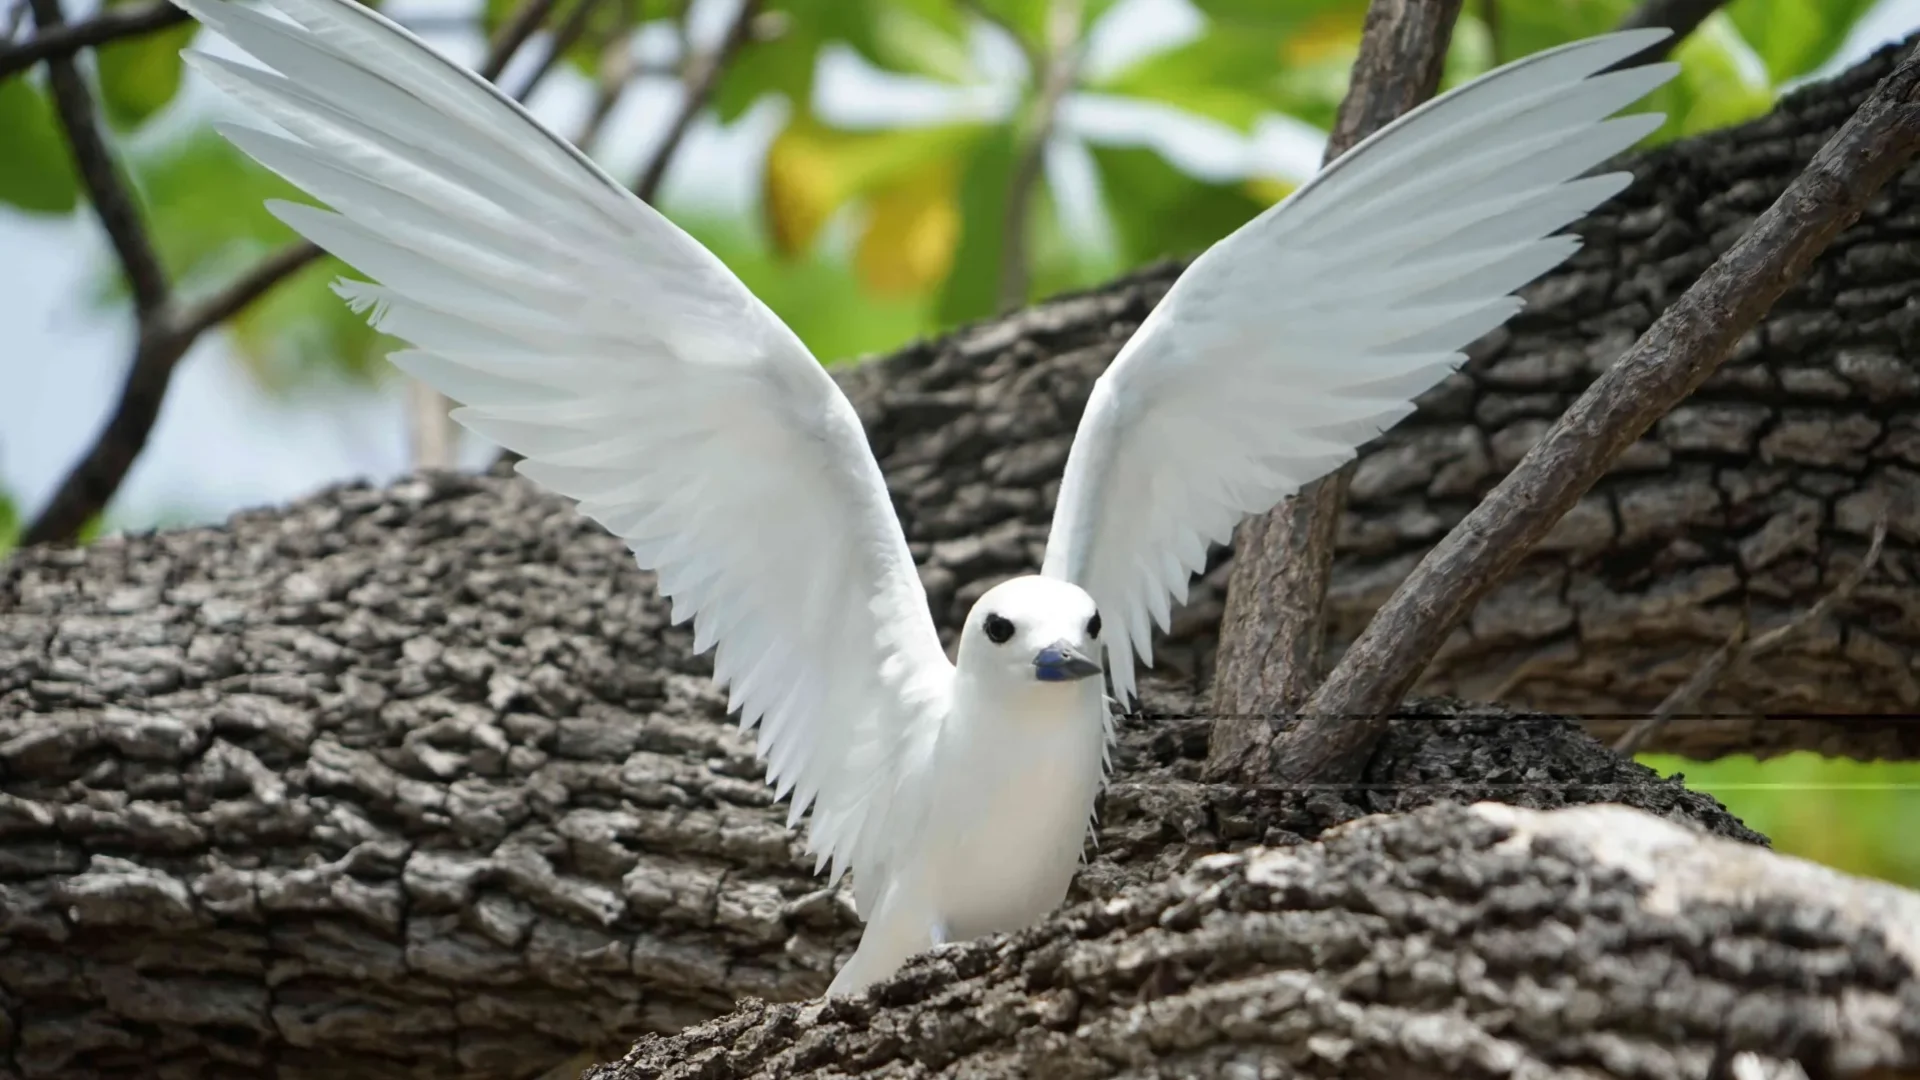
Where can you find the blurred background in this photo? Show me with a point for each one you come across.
(854, 161)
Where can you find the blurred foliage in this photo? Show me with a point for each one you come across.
(35, 172)
(897, 231)
(1857, 816)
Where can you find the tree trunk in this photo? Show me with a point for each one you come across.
(1455, 942)
(418, 781)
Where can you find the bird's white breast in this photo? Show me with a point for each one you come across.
(1017, 787)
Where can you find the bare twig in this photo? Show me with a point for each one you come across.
(1738, 651)
(569, 34)
(1273, 628)
(166, 330)
(1683, 17)
(702, 76)
(66, 38)
(617, 69)
(1059, 65)
(98, 171)
(1683, 347)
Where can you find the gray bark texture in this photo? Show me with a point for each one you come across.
(418, 781)
(1454, 942)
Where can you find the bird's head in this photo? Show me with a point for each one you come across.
(1032, 629)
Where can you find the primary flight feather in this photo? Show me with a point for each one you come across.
(637, 375)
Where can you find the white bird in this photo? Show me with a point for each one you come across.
(637, 375)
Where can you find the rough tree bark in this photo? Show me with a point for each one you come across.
(1456, 942)
(418, 781)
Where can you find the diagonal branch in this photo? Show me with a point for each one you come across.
(1683, 347)
(65, 39)
(106, 188)
(702, 76)
(166, 331)
(1274, 625)
(1059, 64)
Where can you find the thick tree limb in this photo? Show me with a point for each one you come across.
(1674, 357)
(67, 38)
(1458, 942)
(1274, 627)
(164, 331)
(419, 781)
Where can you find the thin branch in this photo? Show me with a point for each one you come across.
(569, 34)
(1675, 355)
(1274, 625)
(1060, 64)
(617, 68)
(67, 38)
(167, 332)
(105, 187)
(1738, 651)
(702, 76)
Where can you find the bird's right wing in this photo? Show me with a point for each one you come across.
(635, 373)
(1313, 327)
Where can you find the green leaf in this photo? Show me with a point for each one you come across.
(972, 287)
(10, 525)
(819, 297)
(1794, 37)
(139, 75)
(1271, 15)
(1528, 26)
(1716, 86)
(1225, 75)
(36, 173)
(1158, 211)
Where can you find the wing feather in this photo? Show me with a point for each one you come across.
(1311, 329)
(636, 374)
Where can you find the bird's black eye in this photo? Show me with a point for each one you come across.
(999, 630)
(1093, 626)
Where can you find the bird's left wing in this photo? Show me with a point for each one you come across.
(633, 371)
(1311, 329)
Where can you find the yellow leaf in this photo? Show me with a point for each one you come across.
(802, 187)
(912, 230)
(1269, 189)
(1330, 34)
(812, 171)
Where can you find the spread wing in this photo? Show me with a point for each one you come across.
(1312, 328)
(580, 328)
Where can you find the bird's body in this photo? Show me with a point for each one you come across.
(635, 374)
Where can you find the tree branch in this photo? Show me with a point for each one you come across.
(67, 38)
(1740, 650)
(1274, 625)
(1673, 357)
(105, 187)
(701, 78)
(1060, 63)
(166, 332)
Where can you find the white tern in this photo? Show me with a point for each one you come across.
(637, 375)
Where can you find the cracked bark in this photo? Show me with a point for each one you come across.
(417, 781)
(1456, 942)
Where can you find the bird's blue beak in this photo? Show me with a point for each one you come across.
(1061, 662)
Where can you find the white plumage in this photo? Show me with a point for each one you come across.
(634, 372)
